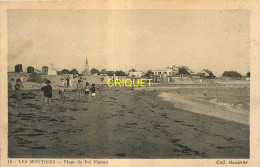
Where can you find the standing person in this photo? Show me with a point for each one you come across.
(72, 80)
(132, 80)
(62, 90)
(47, 95)
(22, 78)
(18, 94)
(93, 91)
(68, 81)
(87, 89)
(10, 88)
(79, 88)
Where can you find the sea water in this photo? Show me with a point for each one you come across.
(228, 103)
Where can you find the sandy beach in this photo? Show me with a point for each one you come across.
(121, 123)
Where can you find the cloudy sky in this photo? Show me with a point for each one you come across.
(123, 39)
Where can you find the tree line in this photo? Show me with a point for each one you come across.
(234, 74)
(149, 73)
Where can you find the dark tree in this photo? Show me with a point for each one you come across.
(110, 73)
(248, 74)
(64, 71)
(183, 71)
(120, 73)
(94, 71)
(74, 71)
(231, 74)
(132, 70)
(149, 73)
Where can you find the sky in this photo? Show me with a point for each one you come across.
(217, 40)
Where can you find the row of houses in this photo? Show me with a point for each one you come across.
(174, 71)
(48, 70)
(182, 71)
(44, 71)
(136, 74)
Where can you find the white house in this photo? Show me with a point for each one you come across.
(137, 74)
(163, 72)
(166, 72)
(52, 70)
(49, 70)
(206, 73)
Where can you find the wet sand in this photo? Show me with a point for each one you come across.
(120, 123)
(231, 104)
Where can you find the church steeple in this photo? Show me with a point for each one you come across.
(86, 71)
(86, 61)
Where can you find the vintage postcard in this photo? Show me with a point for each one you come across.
(130, 83)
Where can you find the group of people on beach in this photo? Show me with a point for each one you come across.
(85, 90)
(80, 90)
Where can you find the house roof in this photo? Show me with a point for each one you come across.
(207, 71)
(186, 68)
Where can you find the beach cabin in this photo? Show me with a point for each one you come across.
(30, 69)
(45, 70)
(18, 68)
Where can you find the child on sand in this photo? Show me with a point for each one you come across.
(47, 95)
(62, 90)
(18, 94)
(68, 81)
(79, 88)
(10, 88)
(86, 92)
(93, 91)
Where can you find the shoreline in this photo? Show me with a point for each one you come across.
(223, 111)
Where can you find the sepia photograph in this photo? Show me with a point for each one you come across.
(128, 84)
